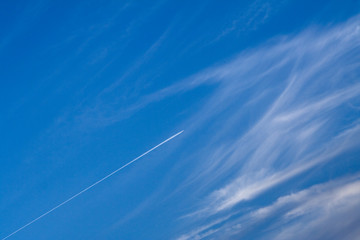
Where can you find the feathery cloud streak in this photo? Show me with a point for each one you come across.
(310, 87)
(302, 214)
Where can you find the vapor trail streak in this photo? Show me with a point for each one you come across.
(84, 190)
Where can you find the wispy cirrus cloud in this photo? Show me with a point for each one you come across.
(254, 15)
(304, 214)
(308, 84)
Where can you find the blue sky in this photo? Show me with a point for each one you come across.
(267, 93)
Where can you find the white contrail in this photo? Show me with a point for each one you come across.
(92, 185)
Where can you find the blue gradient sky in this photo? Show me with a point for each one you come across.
(268, 93)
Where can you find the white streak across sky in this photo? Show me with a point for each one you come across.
(93, 185)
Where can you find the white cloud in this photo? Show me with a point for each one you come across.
(327, 211)
(312, 213)
(302, 88)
